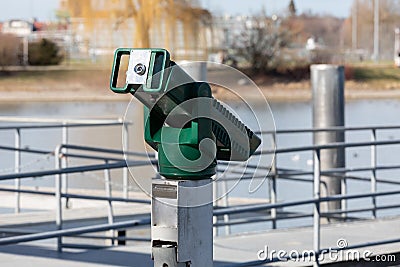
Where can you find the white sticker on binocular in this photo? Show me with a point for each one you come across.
(139, 62)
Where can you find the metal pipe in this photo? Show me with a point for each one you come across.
(17, 168)
(215, 202)
(327, 82)
(261, 219)
(225, 202)
(77, 196)
(64, 162)
(282, 131)
(373, 172)
(107, 150)
(78, 169)
(272, 180)
(57, 120)
(113, 199)
(329, 146)
(343, 170)
(58, 196)
(73, 231)
(125, 173)
(330, 129)
(260, 207)
(110, 213)
(316, 216)
(36, 151)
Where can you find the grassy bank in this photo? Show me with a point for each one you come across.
(69, 83)
(385, 76)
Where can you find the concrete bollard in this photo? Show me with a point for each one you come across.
(327, 82)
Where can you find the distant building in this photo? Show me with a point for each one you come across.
(21, 28)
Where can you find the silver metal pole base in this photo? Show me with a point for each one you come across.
(181, 227)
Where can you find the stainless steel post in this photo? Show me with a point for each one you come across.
(107, 184)
(327, 83)
(181, 226)
(64, 163)
(125, 172)
(373, 172)
(215, 203)
(272, 185)
(57, 157)
(317, 215)
(17, 168)
(225, 202)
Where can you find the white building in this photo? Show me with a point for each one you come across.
(20, 28)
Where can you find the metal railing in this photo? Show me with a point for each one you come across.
(341, 173)
(112, 159)
(64, 125)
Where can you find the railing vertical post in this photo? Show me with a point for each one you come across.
(17, 166)
(57, 157)
(373, 171)
(343, 202)
(272, 183)
(64, 163)
(125, 173)
(107, 180)
(317, 215)
(215, 203)
(225, 202)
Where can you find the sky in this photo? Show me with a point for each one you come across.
(44, 9)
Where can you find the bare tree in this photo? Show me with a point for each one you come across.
(261, 41)
(389, 12)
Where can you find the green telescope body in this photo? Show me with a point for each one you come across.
(183, 122)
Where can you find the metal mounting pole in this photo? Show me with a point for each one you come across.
(327, 83)
(182, 226)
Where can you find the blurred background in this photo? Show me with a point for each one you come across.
(233, 32)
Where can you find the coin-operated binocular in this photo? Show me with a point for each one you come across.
(190, 130)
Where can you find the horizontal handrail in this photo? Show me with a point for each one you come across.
(85, 168)
(57, 120)
(49, 126)
(260, 207)
(330, 129)
(327, 146)
(73, 231)
(107, 150)
(77, 196)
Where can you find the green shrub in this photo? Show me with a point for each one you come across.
(44, 52)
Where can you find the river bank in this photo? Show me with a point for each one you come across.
(92, 85)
